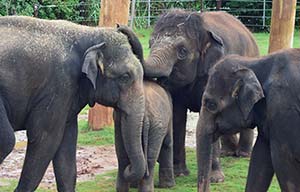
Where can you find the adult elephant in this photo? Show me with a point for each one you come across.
(263, 93)
(184, 46)
(49, 71)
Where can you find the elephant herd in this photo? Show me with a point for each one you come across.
(203, 62)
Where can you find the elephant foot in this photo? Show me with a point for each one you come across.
(166, 183)
(216, 176)
(227, 153)
(122, 186)
(134, 185)
(146, 188)
(166, 178)
(240, 153)
(122, 189)
(181, 170)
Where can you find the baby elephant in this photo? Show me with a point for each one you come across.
(157, 141)
(263, 92)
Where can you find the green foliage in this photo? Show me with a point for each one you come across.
(80, 11)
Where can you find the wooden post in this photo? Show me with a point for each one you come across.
(282, 24)
(112, 12)
(219, 5)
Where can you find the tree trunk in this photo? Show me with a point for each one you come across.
(282, 24)
(111, 13)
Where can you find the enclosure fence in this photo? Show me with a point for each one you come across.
(255, 14)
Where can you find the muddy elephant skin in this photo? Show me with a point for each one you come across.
(49, 71)
(243, 92)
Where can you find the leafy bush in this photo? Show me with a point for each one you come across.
(81, 11)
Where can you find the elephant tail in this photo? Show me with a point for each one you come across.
(145, 137)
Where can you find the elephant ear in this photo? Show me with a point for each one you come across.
(247, 91)
(133, 40)
(211, 52)
(93, 58)
(216, 38)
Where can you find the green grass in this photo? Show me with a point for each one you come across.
(262, 40)
(104, 136)
(234, 168)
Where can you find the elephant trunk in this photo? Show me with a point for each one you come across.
(131, 126)
(205, 128)
(160, 63)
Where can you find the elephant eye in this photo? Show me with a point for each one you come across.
(182, 53)
(210, 104)
(124, 78)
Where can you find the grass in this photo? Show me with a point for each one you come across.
(104, 136)
(262, 40)
(235, 169)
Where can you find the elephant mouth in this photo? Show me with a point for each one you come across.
(176, 75)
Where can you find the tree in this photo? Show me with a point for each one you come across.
(111, 13)
(282, 24)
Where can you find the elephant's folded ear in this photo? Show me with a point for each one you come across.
(216, 38)
(247, 91)
(91, 59)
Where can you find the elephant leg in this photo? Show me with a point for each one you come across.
(166, 172)
(245, 143)
(7, 136)
(286, 165)
(179, 129)
(64, 162)
(229, 145)
(216, 174)
(147, 183)
(121, 184)
(261, 169)
(45, 131)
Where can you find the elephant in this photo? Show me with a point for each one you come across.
(49, 71)
(184, 46)
(244, 92)
(157, 140)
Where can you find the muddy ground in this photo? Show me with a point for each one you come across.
(91, 160)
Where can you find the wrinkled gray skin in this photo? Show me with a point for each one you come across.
(264, 92)
(157, 140)
(49, 71)
(184, 46)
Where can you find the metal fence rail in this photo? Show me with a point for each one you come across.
(255, 14)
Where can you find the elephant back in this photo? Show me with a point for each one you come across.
(237, 39)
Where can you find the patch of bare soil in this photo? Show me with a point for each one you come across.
(91, 161)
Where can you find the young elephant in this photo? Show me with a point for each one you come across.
(264, 92)
(49, 70)
(157, 140)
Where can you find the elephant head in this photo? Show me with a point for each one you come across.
(179, 48)
(228, 103)
(117, 78)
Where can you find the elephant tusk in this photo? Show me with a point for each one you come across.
(101, 65)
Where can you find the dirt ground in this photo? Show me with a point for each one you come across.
(91, 160)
